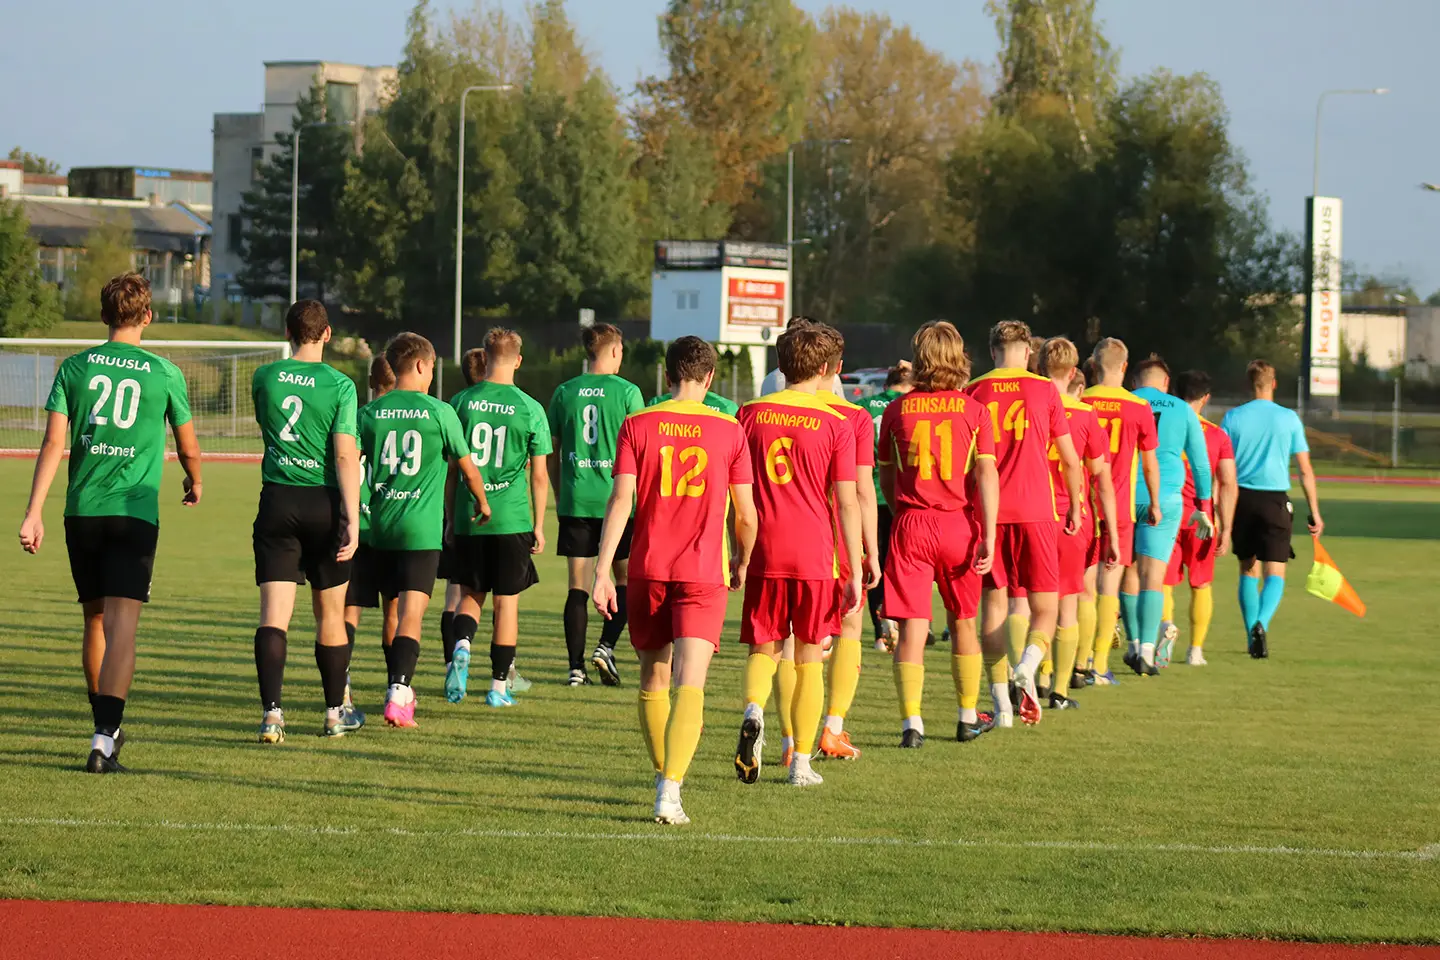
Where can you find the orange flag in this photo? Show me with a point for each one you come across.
(1328, 583)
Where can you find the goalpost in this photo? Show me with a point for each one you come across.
(217, 376)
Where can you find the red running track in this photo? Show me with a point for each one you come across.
(33, 930)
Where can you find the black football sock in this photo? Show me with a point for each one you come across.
(610, 632)
(334, 664)
(577, 620)
(350, 636)
(447, 634)
(405, 654)
(92, 697)
(389, 649)
(108, 712)
(462, 628)
(877, 598)
(270, 665)
(500, 660)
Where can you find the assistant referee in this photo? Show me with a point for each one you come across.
(1265, 436)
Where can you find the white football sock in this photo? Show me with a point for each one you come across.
(969, 715)
(1000, 694)
(1030, 659)
(497, 686)
(753, 711)
(104, 743)
(913, 723)
(834, 724)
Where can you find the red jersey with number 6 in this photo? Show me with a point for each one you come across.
(684, 457)
(1026, 414)
(799, 448)
(932, 440)
(1129, 425)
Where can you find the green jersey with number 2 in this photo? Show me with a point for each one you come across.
(406, 438)
(505, 428)
(875, 406)
(118, 398)
(300, 407)
(585, 418)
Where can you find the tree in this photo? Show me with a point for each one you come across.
(265, 208)
(676, 171)
(33, 162)
(28, 304)
(109, 252)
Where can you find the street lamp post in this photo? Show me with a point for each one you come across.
(460, 200)
(1319, 106)
(790, 207)
(295, 196)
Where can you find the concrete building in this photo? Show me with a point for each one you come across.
(15, 182)
(1391, 336)
(190, 187)
(244, 141)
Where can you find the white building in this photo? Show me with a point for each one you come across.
(243, 141)
(1391, 336)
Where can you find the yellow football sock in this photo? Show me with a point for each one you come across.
(785, 683)
(1107, 614)
(1016, 627)
(1037, 639)
(654, 714)
(965, 669)
(844, 675)
(759, 672)
(1202, 608)
(1167, 609)
(909, 687)
(1067, 640)
(682, 733)
(809, 700)
(1085, 612)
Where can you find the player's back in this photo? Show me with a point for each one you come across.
(1217, 448)
(799, 447)
(684, 456)
(585, 417)
(504, 428)
(1174, 419)
(407, 437)
(300, 406)
(933, 439)
(875, 405)
(1129, 425)
(1025, 414)
(1089, 441)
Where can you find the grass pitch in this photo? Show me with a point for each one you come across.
(1295, 797)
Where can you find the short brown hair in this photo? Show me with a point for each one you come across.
(472, 366)
(1261, 373)
(1152, 362)
(125, 300)
(381, 376)
(306, 321)
(689, 358)
(837, 345)
(1110, 354)
(1057, 355)
(798, 321)
(803, 351)
(1035, 344)
(1077, 384)
(501, 344)
(900, 374)
(405, 350)
(940, 359)
(600, 337)
(1007, 332)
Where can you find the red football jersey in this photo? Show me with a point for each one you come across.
(1026, 415)
(1089, 442)
(799, 448)
(1218, 446)
(933, 439)
(859, 420)
(684, 457)
(1129, 424)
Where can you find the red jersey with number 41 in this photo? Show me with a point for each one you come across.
(800, 447)
(1089, 442)
(933, 439)
(1026, 414)
(684, 457)
(1129, 425)
(1219, 447)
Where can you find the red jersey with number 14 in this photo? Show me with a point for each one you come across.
(1129, 425)
(684, 457)
(933, 439)
(1026, 415)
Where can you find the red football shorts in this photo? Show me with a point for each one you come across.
(661, 610)
(931, 548)
(775, 608)
(1074, 557)
(1195, 555)
(1029, 558)
(1125, 530)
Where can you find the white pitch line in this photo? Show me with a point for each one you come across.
(1430, 852)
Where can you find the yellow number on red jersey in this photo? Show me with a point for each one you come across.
(690, 484)
(922, 455)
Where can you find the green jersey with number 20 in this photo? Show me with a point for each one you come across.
(406, 438)
(300, 407)
(505, 428)
(118, 398)
(875, 406)
(585, 418)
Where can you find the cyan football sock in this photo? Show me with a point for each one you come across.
(1249, 600)
(1270, 597)
(1150, 607)
(1130, 616)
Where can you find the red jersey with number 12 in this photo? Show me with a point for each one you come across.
(684, 457)
(1129, 425)
(799, 448)
(933, 439)
(1026, 414)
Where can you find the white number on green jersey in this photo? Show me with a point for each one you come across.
(590, 429)
(408, 447)
(127, 401)
(294, 405)
(485, 439)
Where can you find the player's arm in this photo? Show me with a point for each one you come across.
(849, 502)
(1227, 489)
(869, 522)
(347, 474)
(1100, 468)
(1312, 496)
(987, 479)
(539, 494)
(475, 484)
(617, 514)
(744, 526)
(1150, 469)
(187, 451)
(52, 449)
(1074, 481)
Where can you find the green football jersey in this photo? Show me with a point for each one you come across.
(300, 407)
(406, 438)
(118, 398)
(585, 418)
(712, 400)
(875, 406)
(505, 428)
(366, 477)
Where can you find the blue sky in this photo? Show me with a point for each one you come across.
(92, 82)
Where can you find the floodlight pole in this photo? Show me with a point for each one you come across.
(1320, 106)
(460, 200)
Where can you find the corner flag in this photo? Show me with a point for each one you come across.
(1328, 583)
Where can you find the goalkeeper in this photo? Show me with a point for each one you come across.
(1179, 437)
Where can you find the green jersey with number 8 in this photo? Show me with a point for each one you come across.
(406, 438)
(117, 397)
(505, 428)
(585, 417)
(300, 406)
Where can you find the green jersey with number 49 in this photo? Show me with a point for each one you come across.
(406, 438)
(585, 418)
(505, 428)
(300, 407)
(117, 397)
(875, 406)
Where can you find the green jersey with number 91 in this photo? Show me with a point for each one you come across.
(300, 406)
(505, 428)
(585, 418)
(406, 438)
(118, 398)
